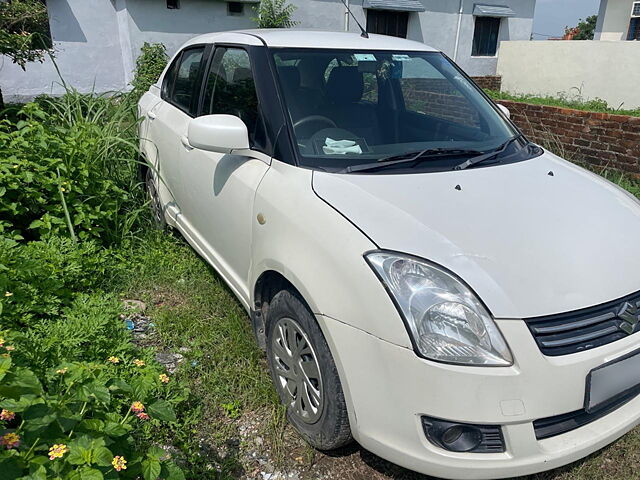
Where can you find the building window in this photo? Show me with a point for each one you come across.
(173, 4)
(485, 37)
(634, 29)
(386, 22)
(235, 8)
(634, 25)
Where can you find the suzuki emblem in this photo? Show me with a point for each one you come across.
(630, 316)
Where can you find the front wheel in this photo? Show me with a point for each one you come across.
(304, 373)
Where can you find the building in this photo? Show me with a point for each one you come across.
(618, 20)
(97, 41)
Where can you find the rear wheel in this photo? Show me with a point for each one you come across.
(304, 373)
(157, 214)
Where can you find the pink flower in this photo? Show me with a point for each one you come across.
(137, 407)
(7, 415)
(143, 416)
(10, 440)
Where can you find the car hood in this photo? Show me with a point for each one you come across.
(532, 238)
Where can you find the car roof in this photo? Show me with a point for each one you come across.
(296, 38)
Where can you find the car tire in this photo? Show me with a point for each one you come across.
(304, 373)
(157, 214)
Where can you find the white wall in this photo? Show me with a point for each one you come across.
(86, 39)
(607, 70)
(613, 19)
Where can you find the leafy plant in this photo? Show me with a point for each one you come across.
(24, 32)
(79, 421)
(39, 279)
(68, 167)
(149, 65)
(584, 30)
(275, 14)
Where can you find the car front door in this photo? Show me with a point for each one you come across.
(170, 119)
(218, 189)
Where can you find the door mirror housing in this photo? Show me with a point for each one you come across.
(504, 110)
(218, 133)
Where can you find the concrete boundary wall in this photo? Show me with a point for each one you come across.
(606, 70)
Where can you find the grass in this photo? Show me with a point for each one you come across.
(565, 101)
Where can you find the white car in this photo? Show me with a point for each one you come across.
(424, 279)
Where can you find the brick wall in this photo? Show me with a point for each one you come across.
(599, 139)
(492, 82)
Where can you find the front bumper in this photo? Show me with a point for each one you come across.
(388, 388)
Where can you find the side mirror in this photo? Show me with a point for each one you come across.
(218, 133)
(504, 110)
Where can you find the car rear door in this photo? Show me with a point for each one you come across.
(219, 189)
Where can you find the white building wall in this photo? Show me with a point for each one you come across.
(613, 20)
(87, 43)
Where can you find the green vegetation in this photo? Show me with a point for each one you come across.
(149, 65)
(584, 30)
(565, 101)
(24, 32)
(275, 14)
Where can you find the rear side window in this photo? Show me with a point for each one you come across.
(183, 79)
(230, 89)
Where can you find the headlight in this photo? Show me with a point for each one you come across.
(446, 320)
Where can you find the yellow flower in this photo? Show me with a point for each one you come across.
(7, 294)
(1, 341)
(57, 451)
(139, 363)
(113, 359)
(119, 463)
(164, 378)
(61, 371)
(5, 355)
(137, 407)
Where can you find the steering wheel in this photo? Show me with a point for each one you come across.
(314, 118)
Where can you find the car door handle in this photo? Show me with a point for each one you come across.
(185, 142)
(152, 115)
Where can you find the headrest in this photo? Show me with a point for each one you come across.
(290, 78)
(241, 73)
(345, 84)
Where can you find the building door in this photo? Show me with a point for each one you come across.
(387, 22)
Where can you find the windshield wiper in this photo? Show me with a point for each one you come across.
(487, 156)
(408, 157)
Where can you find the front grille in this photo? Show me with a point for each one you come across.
(588, 328)
(552, 426)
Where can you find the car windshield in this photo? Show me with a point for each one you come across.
(355, 107)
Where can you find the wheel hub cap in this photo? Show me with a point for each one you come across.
(297, 370)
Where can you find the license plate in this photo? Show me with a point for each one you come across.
(613, 380)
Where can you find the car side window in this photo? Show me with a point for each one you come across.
(183, 89)
(230, 89)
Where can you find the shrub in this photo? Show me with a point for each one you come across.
(149, 65)
(68, 167)
(39, 279)
(275, 14)
(80, 420)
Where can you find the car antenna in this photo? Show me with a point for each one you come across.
(363, 32)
